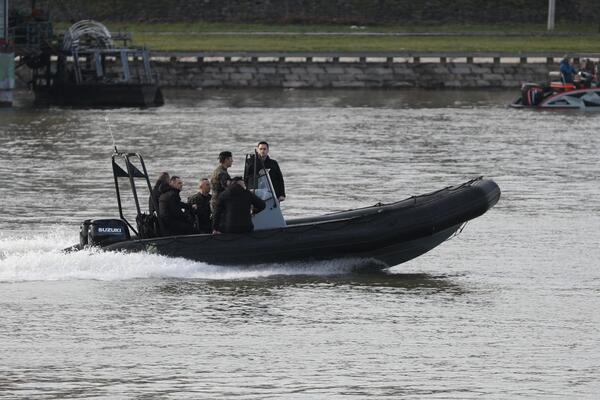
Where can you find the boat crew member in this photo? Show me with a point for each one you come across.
(234, 209)
(173, 216)
(262, 149)
(163, 179)
(200, 204)
(587, 66)
(220, 177)
(567, 70)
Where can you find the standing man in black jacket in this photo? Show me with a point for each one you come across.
(172, 211)
(234, 209)
(262, 149)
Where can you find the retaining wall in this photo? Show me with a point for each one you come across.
(429, 71)
(243, 74)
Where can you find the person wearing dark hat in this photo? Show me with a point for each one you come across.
(163, 180)
(220, 177)
(262, 149)
(235, 207)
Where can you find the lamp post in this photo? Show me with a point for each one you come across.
(551, 11)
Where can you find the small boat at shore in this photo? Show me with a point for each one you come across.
(89, 71)
(386, 234)
(584, 95)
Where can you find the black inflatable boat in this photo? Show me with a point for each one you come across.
(387, 234)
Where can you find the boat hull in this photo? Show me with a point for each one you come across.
(99, 95)
(387, 234)
(580, 99)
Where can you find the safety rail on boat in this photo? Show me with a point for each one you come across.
(130, 171)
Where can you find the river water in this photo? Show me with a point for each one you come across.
(508, 309)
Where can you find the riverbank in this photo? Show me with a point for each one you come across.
(351, 71)
(262, 41)
(347, 70)
(441, 37)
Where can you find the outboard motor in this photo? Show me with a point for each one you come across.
(83, 233)
(532, 94)
(102, 232)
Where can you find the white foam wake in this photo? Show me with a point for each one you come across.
(40, 258)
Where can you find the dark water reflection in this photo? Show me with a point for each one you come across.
(265, 286)
(276, 98)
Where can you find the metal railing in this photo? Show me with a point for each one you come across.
(389, 57)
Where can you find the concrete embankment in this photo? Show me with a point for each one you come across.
(179, 70)
(338, 73)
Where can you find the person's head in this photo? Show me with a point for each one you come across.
(238, 180)
(262, 148)
(226, 159)
(204, 186)
(162, 178)
(176, 182)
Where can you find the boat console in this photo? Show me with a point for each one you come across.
(258, 180)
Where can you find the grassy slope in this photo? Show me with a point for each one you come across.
(193, 37)
(319, 43)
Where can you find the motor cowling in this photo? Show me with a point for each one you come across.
(532, 94)
(103, 232)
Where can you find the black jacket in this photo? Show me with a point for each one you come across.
(274, 173)
(201, 213)
(233, 210)
(172, 217)
(157, 190)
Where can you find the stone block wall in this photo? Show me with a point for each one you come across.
(243, 74)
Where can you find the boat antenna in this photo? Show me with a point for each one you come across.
(111, 134)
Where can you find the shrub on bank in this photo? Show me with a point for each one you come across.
(320, 11)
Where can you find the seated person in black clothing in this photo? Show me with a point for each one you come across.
(234, 208)
(163, 179)
(200, 204)
(173, 214)
(262, 149)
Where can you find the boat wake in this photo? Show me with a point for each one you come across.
(40, 258)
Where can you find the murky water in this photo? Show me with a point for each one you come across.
(508, 309)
